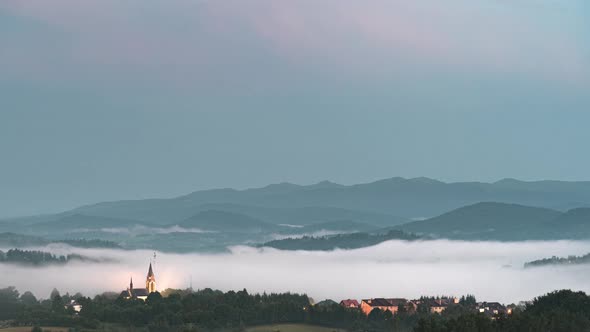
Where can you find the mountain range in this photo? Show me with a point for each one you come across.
(395, 198)
(505, 210)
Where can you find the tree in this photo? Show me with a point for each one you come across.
(54, 293)
(8, 303)
(468, 300)
(57, 304)
(154, 298)
(402, 309)
(376, 315)
(27, 298)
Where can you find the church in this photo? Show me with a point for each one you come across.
(141, 293)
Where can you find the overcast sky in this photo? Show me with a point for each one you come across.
(461, 268)
(110, 99)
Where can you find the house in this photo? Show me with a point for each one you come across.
(391, 305)
(492, 308)
(350, 304)
(437, 305)
(75, 306)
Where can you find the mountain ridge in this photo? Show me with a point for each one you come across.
(502, 221)
(384, 203)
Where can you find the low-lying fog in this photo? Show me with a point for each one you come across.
(142, 230)
(490, 270)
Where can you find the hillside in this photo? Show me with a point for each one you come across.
(80, 221)
(340, 241)
(41, 258)
(343, 226)
(406, 198)
(12, 240)
(308, 215)
(290, 209)
(574, 224)
(220, 221)
(570, 260)
(500, 221)
(385, 202)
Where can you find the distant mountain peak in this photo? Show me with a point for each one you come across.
(508, 181)
(396, 179)
(325, 184)
(423, 179)
(282, 185)
(407, 181)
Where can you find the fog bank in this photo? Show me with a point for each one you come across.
(490, 270)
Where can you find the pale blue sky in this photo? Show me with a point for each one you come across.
(110, 99)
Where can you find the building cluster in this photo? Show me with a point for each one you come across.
(130, 293)
(393, 305)
(141, 293)
(432, 305)
(493, 309)
(74, 306)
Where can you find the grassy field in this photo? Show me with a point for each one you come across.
(292, 328)
(265, 328)
(28, 329)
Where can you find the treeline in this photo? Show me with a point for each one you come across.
(209, 310)
(22, 241)
(19, 240)
(560, 311)
(341, 241)
(93, 243)
(570, 260)
(34, 257)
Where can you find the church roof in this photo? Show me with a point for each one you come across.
(140, 292)
(150, 272)
(135, 292)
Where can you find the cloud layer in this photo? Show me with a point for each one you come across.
(187, 41)
(490, 270)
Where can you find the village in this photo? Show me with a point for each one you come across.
(430, 304)
(393, 306)
(149, 308)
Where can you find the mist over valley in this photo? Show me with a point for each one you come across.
(490, 270)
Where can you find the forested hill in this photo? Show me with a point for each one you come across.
(570, 260)
(385, 202)
(12, 240)
(209, 310)
(37, 258)
(340, 241)
(504, 222)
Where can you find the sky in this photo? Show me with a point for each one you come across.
(110, 99)
(460, 268)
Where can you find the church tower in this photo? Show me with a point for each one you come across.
(150, 282)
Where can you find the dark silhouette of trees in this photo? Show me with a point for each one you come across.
(9, 304)
(208, 309)
(34, 257)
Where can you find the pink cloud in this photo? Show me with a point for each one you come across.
(465, 35)
(199, 37)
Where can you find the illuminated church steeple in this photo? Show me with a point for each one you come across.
(150, 282)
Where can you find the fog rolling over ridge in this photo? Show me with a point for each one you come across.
(489, 270)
